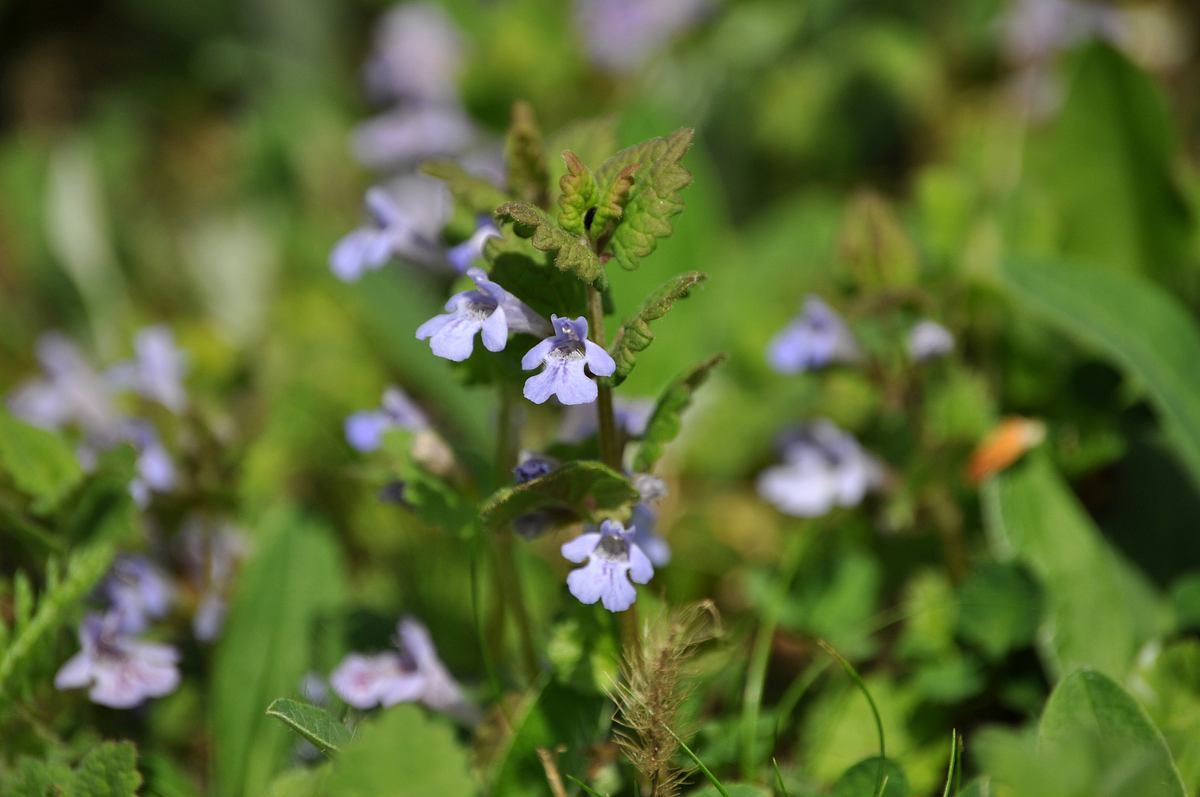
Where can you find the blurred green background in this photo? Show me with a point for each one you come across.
(1031, 184)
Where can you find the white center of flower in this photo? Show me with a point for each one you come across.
(479, 305)
(612, 548)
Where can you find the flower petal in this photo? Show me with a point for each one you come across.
(578, 549)
(76, 673)
(600, 361)
(495, 330)
(456, 339)
(640, 568)
(537, 355)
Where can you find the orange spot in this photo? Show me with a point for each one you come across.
(1003, 446)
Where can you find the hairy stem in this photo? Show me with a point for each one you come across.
(610, 446)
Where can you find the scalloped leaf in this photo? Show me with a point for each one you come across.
(577, 195)
(571, 253)
(665, 421)
(635, 335)
(652, 199)
(580, 490)
(525, 157)
(471, 192)
(311, 722)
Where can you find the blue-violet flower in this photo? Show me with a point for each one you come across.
(814, 339)
(489, 309)
(121, 671)
(607, 556)
(565, 354)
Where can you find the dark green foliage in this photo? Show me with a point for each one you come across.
(635, 334)
(665, 422)
(999, 608)
(108, 769)
(580, 490)
(652, 199)
(40, 463)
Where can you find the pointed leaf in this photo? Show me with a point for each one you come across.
(667, 418)
(635, 334)
(579, 490)
(654, 196)
(525, 157)
(312, 723)
(1089, 707)
(571, 253)
(1141, 327)
(473, 193)
(577, 195)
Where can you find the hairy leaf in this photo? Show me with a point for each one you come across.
(571, 253)
(108, 770)
(525, 157)
(654, 196)
(635, 334)
(1088, 709)
(312, 723)
(471, 192)
(667, 418)
(577, 490)
(611, 204)
(1144, 329)
(402, 753)
(577, 195)
(40, 462)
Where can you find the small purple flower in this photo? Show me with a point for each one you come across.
(814, 339)
(156, 372)
(621, 35)
(155, 470)
(414, 673)
(70, 391)
(405, 135)
(470, 251)
(823, 468)
(644, 519)
(609, 554)
(489, 309)
(533, 466)
(928, 340)
(121, 671)
(565, 354)
(137, 592)
(365, 429)
(368, 248)
(417, 56)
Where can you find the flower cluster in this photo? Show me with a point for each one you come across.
(71, 393)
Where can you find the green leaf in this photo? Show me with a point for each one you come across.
(1141, 327)
(860, 779)
(571, 253)
(732, 790)
(293, 580)
(580, 490)
(1088, 707)
(475, 194)
(1109, 162)
(667, 418)
(61, 597)
(312, 723)
(1000, 608)
(108, 770)
(40, 462)
(1032, 517)
(610, 205)
(635, 334)
(1167, 684)
(654, 196)
(530, 275)
(402, 753)
(875, 246)
(577, 195)
(525, 157)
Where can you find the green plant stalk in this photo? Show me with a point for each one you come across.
(507, 572)
(586, 788)
(880, 779)
(610, 450)
(760, 654)
(779, 786)
(713, 779)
